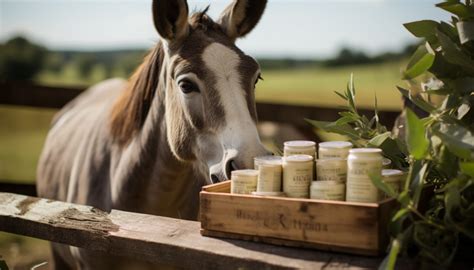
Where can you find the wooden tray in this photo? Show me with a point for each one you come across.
(357, 228)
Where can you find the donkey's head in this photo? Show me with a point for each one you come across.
(210, 83)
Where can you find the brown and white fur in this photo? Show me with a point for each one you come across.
(149, 144)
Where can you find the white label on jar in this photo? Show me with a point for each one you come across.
(333, 192)
(269, 178)
(362, 168)
(331, 169)
(328, 155)
(297, 177)
(359, 184)
(243, 184)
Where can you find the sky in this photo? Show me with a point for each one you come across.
(288, 28)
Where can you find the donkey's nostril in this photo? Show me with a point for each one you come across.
(233, 165)
(214, 178)
(230, 166)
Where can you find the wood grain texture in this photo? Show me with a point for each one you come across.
(359, 228)
(156, 239)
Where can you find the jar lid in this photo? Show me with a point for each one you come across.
(365, 151)
(392, 172)
(268, 193)
(246, 172)
(336, 144)
(274, 160)
(324, 183)
(298, 158)
(386, 161)
(299, 144)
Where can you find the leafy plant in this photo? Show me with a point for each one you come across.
(363, 132)
(437, 150)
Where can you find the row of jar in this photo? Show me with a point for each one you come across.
(342, 173)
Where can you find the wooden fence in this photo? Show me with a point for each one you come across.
(24, 94)
(153, 238)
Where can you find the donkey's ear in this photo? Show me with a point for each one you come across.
(240, 17)
(171, 18)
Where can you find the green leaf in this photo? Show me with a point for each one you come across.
(343, 129)
(420, 62)
(418, 174)
(404, 198)
(457, 9)
(389, 262)
(417, 100)
(400, 214)
(416, 136)
(397, 221)
(467, 168)
(378, 140)
(465, 31)
(457, 138)
(454, 54)
(437, 87)
(422, 29)
(344, 120)
(341, 95)
(377, 181)
(350, 94)
(463, 110)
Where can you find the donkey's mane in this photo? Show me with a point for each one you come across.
(131, 108)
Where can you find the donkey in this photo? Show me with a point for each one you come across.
(186, 118)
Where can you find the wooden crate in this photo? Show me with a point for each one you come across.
(358, 228)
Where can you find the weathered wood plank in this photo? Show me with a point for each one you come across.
(155, 239)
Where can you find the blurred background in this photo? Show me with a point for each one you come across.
(307, 50)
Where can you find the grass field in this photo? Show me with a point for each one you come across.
(316, 86)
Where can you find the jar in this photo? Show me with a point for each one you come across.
(299, 148)
(269, 176)
(297, 175)
(243, 181)
(334, 149)
(328, 190)
(266, 159)
(334, 169)
(360, 163)
(393, 178)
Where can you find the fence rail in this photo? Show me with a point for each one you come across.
(24, 94)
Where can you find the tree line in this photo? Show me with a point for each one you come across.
(22, 59)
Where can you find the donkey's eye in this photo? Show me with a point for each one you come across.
(258, 79)
(188, 86)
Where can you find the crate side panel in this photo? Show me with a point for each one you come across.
(314, 222)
